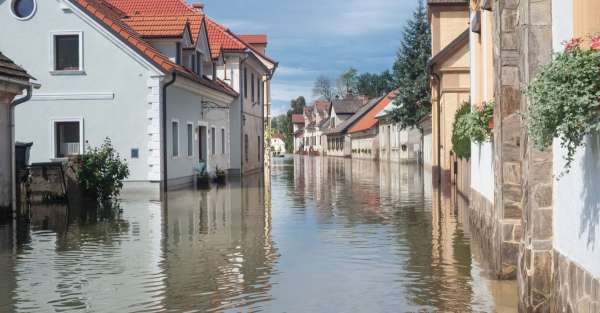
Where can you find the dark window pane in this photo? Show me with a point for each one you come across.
(67, 52)
(23, 8)
(67, 139)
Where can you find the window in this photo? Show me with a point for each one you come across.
(246, 147)
(23, 9)
(193, 66)
(67, 52)
(246, 83)
(225, 77)
(190, 139)
(213, 134)
(178, 53)
(67, 138)
(199, 63)
(223, 140)
(175, 138)
(135, 153)
(252, 88)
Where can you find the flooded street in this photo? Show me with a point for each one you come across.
(324, 235)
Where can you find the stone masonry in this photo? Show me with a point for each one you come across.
(574, 289)
(508, 165)
(536, 251)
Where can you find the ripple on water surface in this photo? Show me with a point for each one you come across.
(324, 235)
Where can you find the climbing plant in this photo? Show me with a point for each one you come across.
(461, 140)
(564, 99)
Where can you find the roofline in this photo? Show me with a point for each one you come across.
(143, 55)
(452, 47)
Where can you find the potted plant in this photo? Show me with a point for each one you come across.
(220, 177)
(564, 99)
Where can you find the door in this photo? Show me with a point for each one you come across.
(202, 153)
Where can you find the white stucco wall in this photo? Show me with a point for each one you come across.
(482, 169)
(577, 194)
(110, 98)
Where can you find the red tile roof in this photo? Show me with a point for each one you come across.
(297, 119)
(112, 14)
(222, 38)
(160, 26)
(368, 120)
(255, 38)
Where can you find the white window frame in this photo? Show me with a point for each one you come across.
(52, 54)
(187, 138)
(173, 121)
(25, 18)
(53, 122)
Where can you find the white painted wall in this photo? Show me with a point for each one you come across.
(482, 169)
(427, 150)
(577, 194)
(110, 98)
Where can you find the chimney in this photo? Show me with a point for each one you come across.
(199, 6)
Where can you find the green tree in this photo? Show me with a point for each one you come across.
(410, 71)
(297, 105)
(375, 85)
(348, 82)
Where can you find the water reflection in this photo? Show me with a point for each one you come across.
(317, 235)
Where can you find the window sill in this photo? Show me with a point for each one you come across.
(68, 73)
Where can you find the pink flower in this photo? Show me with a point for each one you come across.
(573, 43)
(595, 42)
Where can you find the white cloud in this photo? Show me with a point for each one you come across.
(294, 71)
(289, 91)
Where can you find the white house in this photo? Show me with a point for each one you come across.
(242, 64)
(277, 145)
(316, 119)
(342, 115)
(298, 131)
(139, 72)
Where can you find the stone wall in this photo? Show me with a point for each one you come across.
(574, 289)
(536, 252)
(508, 193)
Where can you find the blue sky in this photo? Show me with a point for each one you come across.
(314, 37)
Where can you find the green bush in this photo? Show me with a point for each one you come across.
(564, 99)
(461, 140)
(101, 172)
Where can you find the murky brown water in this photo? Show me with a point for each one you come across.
(328, 235)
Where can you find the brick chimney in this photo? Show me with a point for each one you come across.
(199, 6)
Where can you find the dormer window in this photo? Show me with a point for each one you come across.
(178, 53)
(199, 63)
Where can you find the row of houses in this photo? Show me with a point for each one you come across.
(539, 224)
(357, 127)
(171, 87)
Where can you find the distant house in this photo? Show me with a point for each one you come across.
(316, 118)
(277, 144)
(14, 80)
(158, 77)
(342, 115)
(364, 133)
(397, 144)
(298, 131)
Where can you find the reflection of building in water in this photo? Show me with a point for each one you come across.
(218, 247)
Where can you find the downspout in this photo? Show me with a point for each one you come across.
(242, 96)
(164, 135)
(11, 122)
(439, 124)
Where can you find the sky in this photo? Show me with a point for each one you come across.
(317, 37)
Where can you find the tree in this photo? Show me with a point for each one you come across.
(297, 105)
(410, 71)
(323, 88)
(375, 85)
(347, 82)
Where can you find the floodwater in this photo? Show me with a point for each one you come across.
(321, 235)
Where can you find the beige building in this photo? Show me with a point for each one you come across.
(449, 71)
(397, 144)
(13, 82)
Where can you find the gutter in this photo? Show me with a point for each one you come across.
(164, 135)
(11, 122)
(242, 117)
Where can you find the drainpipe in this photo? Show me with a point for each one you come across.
(11, 122)
(436, 78)
(164, 134)
(242, 117)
